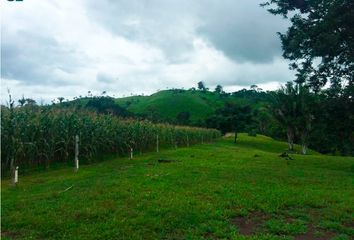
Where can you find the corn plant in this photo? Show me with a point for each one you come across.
(40, 136)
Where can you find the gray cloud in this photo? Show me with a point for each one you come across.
(138, 46)
(168, 25)
(242, 30)
(36, 59)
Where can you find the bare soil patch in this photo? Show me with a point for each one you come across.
(250, 224)
(314, 233)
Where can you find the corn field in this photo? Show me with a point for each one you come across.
(39, 136)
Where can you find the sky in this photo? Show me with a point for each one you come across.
(65, 48)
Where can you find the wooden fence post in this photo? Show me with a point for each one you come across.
(77, 153)
(187, 141)
(157, 143)
(202, 139)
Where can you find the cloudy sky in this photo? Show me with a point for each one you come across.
(67, 48)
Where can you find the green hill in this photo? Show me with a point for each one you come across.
(218, 190)
(166, 105)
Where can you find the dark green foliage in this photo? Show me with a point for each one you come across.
(218, 89)
(201, 86)
(183, 118)
(333, 128)
(320, 30)
(107, 105)
(319, 121)
(231, 118)
(320, 45)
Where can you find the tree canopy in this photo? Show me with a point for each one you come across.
(320, 41)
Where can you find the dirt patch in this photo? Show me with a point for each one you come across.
(250, 224)
(348, 224)
(209, 235)
(254, 223)
(9, 234)
(315, 234)
(166, 161)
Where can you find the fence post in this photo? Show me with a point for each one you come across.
(77, 153)
(131, 153)
(187, 141)
(157, 143)
(202, 139)
(15, 176)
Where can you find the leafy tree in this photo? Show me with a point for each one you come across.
(320, 45)
(320, 41)
(231, 118)
(30, 102)
(333, 128)
(292, 106)
(254, 87)
(305, 106)
(284, 109)
(22, 101)
(219, 89)
(60, 99)
(201, 86)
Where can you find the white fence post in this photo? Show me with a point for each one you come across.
(15, 179)
(131, 153)
(77, 153)
(157, 143)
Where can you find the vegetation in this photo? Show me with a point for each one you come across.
(199, 104)
(35, 136)
(320, 45)
(320, 30)
(244, 185)
(231, 118)
(202, 193)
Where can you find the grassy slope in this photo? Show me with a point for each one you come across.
(194, 198)
(169, 103)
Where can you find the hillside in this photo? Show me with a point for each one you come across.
(211, 191)
(167, 104)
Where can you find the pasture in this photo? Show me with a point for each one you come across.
(218, 190)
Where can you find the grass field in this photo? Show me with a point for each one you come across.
(199, 104)
(211, 191)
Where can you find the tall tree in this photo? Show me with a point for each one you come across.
(305, 104)
(320, 41)
(231, 118)
(218, 89)
(201, 86)
(284, 109)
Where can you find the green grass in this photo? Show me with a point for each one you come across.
(196, 197)
(168, 103)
